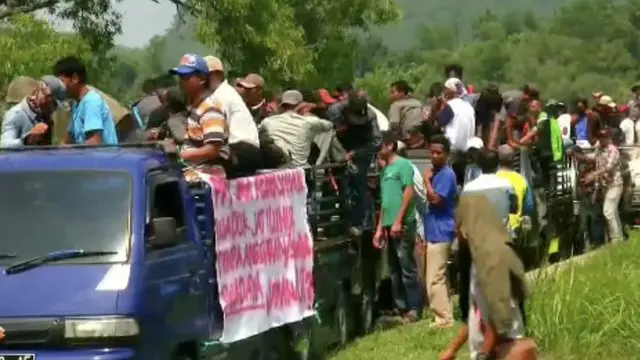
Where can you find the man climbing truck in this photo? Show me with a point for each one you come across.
(134, 268)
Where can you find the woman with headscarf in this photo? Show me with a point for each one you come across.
(492, 286)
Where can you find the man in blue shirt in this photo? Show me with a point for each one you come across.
(581, 123)
(439, 229)
(90, 120)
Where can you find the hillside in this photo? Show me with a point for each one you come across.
(459, 13)
(400, 36)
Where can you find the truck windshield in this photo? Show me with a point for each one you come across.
(47, 211)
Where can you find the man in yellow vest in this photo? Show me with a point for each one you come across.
(524, 195)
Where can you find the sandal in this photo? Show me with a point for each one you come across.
(409, 317)
(441, 324)
(394, 312)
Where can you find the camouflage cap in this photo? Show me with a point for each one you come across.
(20, 87)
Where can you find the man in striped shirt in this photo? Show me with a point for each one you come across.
(208, 137)
(207, 128)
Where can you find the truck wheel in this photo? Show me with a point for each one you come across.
(366, 312)
(342, 319)
(304, 346)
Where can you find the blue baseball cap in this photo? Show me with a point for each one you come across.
(190, 64)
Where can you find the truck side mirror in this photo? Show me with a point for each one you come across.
(163, 233)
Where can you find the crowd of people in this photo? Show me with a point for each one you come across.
(492, 155)
(479, 195)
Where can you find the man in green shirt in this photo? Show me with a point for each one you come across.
(397, 228)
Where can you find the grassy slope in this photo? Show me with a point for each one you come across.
(584, 311)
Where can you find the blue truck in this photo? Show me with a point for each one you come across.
(107, 254)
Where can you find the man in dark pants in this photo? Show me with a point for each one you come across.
(591, 220)
(396, 229)
(357, 130)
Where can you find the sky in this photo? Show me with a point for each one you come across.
(141, 20)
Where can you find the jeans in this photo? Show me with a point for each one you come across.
(360, 212)
(611, 213)
(403, 269)
(591, 221)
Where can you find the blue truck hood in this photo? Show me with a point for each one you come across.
(58, 290)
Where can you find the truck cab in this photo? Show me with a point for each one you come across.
(101, 257)
(108, 254)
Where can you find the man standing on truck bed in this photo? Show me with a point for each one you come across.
(90, 118)
(405, 112)
(358, 132)
(457, 119)
(294, 133)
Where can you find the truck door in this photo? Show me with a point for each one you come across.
(176, 276)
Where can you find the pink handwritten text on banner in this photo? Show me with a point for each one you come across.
(264, 251)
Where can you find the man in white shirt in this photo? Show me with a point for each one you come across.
(498, 190)
(457, 119)
(564, 121)
(292, 132)
(243, 132)
(634, 114)
(241, 125)
(628, 126)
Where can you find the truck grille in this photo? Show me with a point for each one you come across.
(30, 333)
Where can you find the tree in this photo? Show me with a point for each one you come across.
(36, 56)
(587, 45)
(293, 41)
(94, 20)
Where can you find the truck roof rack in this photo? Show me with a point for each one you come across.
(152, 145)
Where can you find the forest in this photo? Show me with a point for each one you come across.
(568, 48)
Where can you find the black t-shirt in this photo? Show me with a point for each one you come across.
(158, 117)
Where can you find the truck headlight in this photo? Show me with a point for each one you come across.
(100, 327)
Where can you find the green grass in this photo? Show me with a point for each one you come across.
(583, 310)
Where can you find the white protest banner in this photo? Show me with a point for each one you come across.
(264, 251)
